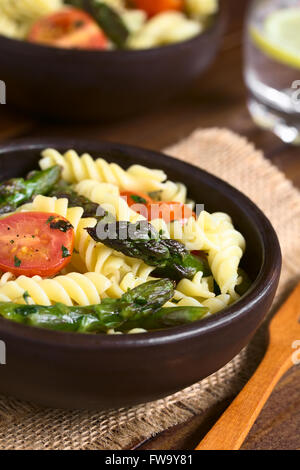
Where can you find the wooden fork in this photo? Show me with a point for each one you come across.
(232, 428)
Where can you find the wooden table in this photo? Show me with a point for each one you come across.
(219, 99)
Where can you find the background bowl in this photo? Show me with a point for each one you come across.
(87, 85)
(97, 371)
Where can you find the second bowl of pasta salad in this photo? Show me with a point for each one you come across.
(106, 24)
(127, 282)
(87, 60)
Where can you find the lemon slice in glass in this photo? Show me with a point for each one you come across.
(280, 36)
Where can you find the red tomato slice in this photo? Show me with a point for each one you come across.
(132, 198)
(137, 201)
(35, 243)
(153, 7)
(170, 211)
(68, 28)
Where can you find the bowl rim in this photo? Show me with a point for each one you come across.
(264, 282)
(26, 47)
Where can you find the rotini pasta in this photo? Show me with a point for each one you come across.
(71, 289)
(200, 234)
(199, 287)
(201, 8)
(174, 192)
(134, 19)
(215, 304)
(87, 271)
(5, 277)
(95, 257)
(29, 10)
(225, 260)
(77, 168)
(140, 25)
(137, 178)
(164, 28)
(57, 206)
(129, 281)
(108, 196)
(215, 234)
(10, 28)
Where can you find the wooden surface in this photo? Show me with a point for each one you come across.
(218, 99)
(231, 430)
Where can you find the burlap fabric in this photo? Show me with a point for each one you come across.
(26, 426)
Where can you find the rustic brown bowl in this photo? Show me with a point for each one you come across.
(97, 371)
(82, 85)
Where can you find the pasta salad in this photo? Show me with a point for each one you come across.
(105, 24)
(86, 246)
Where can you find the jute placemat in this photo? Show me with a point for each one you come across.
(26, 426)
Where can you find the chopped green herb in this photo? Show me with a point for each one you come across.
(65, 252)
(12, 242)
(17, 262)
(26, 296)
(61, 225)
(52, 217)
(138, 199)
(140, 301)
(79, 23)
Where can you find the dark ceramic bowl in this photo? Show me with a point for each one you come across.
(98, 371)
(88, 85)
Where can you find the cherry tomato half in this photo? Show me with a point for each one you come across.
(68, 28)
(35, 243)
(170, 211)
(137, 201)
(158, 6)
(133, 198)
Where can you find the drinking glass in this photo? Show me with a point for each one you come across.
(272, 66)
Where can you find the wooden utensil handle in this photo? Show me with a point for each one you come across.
(232, 428)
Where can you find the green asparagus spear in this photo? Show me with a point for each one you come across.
(111, 23)
(111, 313)
(167, 317)
(91, 209)
(145, 299)
(17, 191)
(59, 317)
(142, 241)
(108, 19)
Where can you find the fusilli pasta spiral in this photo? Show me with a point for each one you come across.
(10, 28)
(57, 206)
(108, 196)
(30, 10)
(200, 8)
(77, 168)
(215, 234)
(134, 19)
(165, 28)
(95, 257)
(215, 304)
(200, 234)
(199, 287)
(73, 288)
(224, 261)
